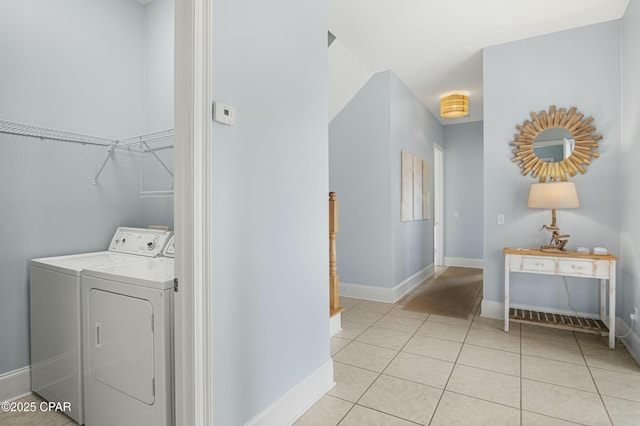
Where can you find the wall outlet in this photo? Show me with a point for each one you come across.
(634, 314)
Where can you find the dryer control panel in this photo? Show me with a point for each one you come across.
(170, 249)
(140, 241)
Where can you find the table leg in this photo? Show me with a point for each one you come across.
(612, 304)
(506, 292)
(603, 300)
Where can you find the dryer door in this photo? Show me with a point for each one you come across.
(121, 343)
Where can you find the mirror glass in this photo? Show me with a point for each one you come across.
(554, 144)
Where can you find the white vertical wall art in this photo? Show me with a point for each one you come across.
(426, 193)
(406, 213)
(415, 192)
(417, 188)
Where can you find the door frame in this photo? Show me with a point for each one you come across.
(438, 208)
(193, 350)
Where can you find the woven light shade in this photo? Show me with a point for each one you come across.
(454, 105)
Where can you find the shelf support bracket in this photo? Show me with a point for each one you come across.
(158, 158)
(112, 147)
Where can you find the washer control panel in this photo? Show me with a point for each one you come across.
(140, 241)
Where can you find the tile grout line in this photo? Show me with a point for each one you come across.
(444, 389)
(521, 381)
(390, 361)
(379, 373)
(594, 380)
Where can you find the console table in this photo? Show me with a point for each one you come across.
(570, 264)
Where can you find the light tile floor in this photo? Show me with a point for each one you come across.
(395, 367)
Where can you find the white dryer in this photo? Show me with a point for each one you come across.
(55, 311)
(127, 314)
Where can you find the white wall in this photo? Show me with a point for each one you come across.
(270, 203)
(629, 284)
(347, 75)
(463, 192)
(530, 75)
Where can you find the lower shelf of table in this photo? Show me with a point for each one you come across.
(565, 322)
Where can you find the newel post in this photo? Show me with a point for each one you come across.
(334, 301)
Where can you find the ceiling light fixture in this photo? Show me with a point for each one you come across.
(454, 104)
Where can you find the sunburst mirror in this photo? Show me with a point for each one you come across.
(555, 144)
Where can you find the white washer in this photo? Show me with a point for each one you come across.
(127, 314)
(55, 313)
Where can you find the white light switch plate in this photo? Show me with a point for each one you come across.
(500, 219)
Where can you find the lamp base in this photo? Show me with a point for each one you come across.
(558, 241)
(549, 248)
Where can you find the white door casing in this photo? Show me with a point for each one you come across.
(192, 205)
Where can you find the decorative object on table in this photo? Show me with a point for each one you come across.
(600, 250)
(583, 250)
(555, 144)
(554, 195)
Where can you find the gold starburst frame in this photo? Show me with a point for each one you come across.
(580, 128)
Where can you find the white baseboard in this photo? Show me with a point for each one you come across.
(494, 309)
(464, 263)
(15, 384)
(335, 324)
(632, 341)
(299, 399)
(386, 294)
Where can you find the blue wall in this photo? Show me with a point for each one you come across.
(463, 191)
(581, 68)
(270, 203)
(413, 129)
(359, 172)
(365, 142)
(76, 66)
(629, 284)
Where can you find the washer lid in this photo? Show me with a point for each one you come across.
(74, 264)
(154, 273)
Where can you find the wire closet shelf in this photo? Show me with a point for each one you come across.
(140, 143)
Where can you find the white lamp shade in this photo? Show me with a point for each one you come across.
(553, 195)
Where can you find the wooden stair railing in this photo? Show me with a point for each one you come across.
(334, 300)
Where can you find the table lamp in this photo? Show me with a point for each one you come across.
(554, 195)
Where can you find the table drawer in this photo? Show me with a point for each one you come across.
(536, 264)
(584, 268)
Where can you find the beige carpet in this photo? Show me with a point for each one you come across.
(452, 293)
